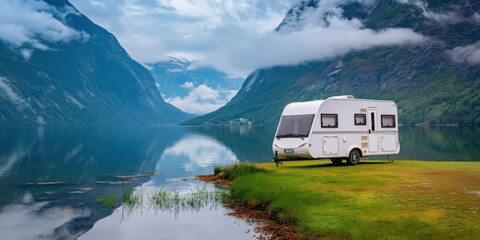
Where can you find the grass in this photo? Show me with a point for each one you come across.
(373, 200)
(129, 198)
(198, 198)
(165, 200)
(233, 171)
(108, 200)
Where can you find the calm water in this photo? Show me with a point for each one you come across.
(51, 178)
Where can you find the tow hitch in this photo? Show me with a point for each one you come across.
(276, 160)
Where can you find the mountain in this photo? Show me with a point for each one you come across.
(178, 79)
(66, 70)
(434, 82)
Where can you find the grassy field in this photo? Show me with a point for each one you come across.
(373, 200)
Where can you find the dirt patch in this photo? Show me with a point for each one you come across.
(267, 226)
(214, 179)
(264, 220)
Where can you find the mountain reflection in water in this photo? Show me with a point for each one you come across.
(51, 178)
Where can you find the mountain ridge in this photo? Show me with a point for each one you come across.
(425, 81)
(87, 81)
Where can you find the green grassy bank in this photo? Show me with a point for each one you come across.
(373, 200)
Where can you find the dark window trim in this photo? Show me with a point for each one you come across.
(388, 115)
(355, 119)
(329, 115)
(300, 115)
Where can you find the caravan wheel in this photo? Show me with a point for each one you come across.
(353, 157)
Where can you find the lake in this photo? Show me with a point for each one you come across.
(52, 178)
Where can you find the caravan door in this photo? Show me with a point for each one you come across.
(372, 130)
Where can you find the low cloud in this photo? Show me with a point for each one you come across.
(448, 17)
(476, 17)
(466, 54)
(30, 24)
(311, 43)
(236, 36)
(201, 99)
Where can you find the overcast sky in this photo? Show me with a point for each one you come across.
(234, 36)
(152, 30)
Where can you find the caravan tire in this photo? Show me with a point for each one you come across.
(353, 157)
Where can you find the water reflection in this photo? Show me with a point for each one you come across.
(207, 224)
(31, 220)
(440, 143)
(197, 151)
(254, 144)
(69, 168)
(250, 144)
(172, 205)
(85, 163)
(11, 159)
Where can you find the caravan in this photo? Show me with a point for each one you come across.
(337, 128)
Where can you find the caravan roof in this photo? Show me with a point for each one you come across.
(312, 107)
(302, 108)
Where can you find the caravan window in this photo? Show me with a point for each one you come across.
(329, 121)
(388, 121)
(295, 126)
(360, 119)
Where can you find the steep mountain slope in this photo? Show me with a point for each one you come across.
(435, 82)
(178, 80)
(86, 78)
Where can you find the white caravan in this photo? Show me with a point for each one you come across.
(337, 128)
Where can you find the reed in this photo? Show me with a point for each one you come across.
(108, 200)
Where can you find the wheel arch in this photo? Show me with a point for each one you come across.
(357, 148)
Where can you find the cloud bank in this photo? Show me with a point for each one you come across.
(235, 36)
(466, 54)
(30, 24)
(448, 17)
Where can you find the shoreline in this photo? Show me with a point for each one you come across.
(265, 223)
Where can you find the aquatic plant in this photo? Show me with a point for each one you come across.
(108, 200)
(161, 199)
(129, 198)
(198, 198)
(132, 202)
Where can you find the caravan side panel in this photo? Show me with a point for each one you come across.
(354, 129)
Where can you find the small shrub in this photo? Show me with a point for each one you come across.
(217, 169)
